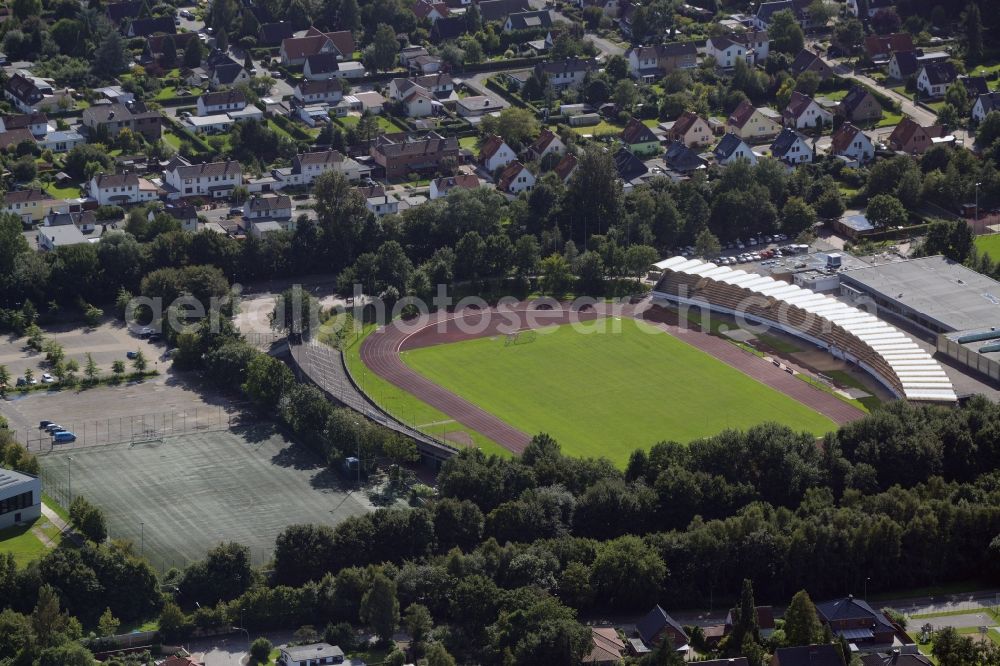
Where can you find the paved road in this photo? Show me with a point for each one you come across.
(605, 46)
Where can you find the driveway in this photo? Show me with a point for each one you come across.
(920, 115)
(477, 84)
(608, 48)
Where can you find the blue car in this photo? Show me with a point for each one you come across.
(63, 436)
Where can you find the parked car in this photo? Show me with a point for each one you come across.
(63, 436)
(44, 424)
(131, 354)
(47, 378)
(53, 427)
(235, 210)
(21, 381)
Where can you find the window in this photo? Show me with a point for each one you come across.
(16, 503)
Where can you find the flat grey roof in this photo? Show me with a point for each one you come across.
(955, 297)
(313, 651)
(9, 478)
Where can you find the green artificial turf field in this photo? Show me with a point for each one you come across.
(990, 245)
(608, 394)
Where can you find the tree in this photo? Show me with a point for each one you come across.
(707, 245)
(797, 216)
(173, 623)
(626, 94)
(418, 623)
(108, 624)
(260, 650)
(886, 21)
(139, 362)
(556, 276)
(380, 55)
(296, 312)
(118, 369)
(594, 197)
(88, 520)
(952, 649)
(437, 655)
(222, 39)
(12, 245)
(517, 126)
(802, 626)
(349, 14)
(627, 573)
(267, 379)
(380, 607)
(193, 53)
(746, 626)
(821, 12)
(886, 211)
(4, 380)
(111, 57)
(47, 620)
(972, 26)
(616, 68)
(786, 33)
(849, 35)
(24, 9)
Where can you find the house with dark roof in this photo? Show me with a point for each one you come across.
(905, 64)
(859, 105)
(650, 62)
(934, 78)
(113, 118)
(856, 622)
(629, 166)
(36, 123)
(691, 129)
(874, 7)
(440, 187)
(731, 148)
(895, 658)
(657, 624)
(499, 10)
(974, 86)
(121, 11)
(751, 46)
(27, 93)
(495, 154)
(450, 27)
(852, 144)
(881, 47)
(186, 214)
(306, 167)
(15, 137)
(913, 139)
(224, 72)
(214, 179)
(221, 102)
(985, 104)
(295, 50)
(566, 167)
(807, 61)
(272, 34)
(547, 143)
(752, 123)
(808, 655)
(682, 159)
(153, 50)
(31, 205)
(328, 91)
(269, 208)
(516, 178)
(792, 148)
(402, 153)
(803, 112)
(534, 20)
(566, 73)
(121, 189)
(640, 139)
(800, 8)
(144, 27)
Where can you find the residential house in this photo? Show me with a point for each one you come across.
(881, 47)
(905, 64)
(118, 12)
(874, 7)
(121, 189)
(657, 624)
(144, 27)
(533, 20)
(547, 143)
(856, 621)
(731, 148)
(609, 8)
(409, 53)
(984, 105)
(218, 123)
(214, 179)
(180, 661)
(807, 61)
(425, 64)
(628, 166)
(60, 235)
(272, 34)
(515, 179)
(186, 214)
(61, 141)
(753, 123)
(295, 50)
(329, 91)
(323, 66)
(792, 148)
(650, 62)
(419, 103)
(934, 78)
(606, 649)
(27, 93)
(306, 167)
(974, 86)
(751, 47)
(432, 11)
(495, 154)
(895, 658)
(682, 159)
(474, 106)
(440, 84)
(152, 52)
(808, 655)
(36, 123)
(446, 29)
(403, 153)
(852, 144)
(13, 138)
(566, 167)
(224, 72)
(803, 112)
(765, 621)
(691, 129)
(369, 101)
(32, 205)
(269, 208)
(640, 139)
(221, 102)
(440, 187)
(378, 200)
(498, 10)
(859, 105)
(113, 118)
(565, 73)
(315, 654)
(913, 139)
(800, 8)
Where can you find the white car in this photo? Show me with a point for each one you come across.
(47, 378)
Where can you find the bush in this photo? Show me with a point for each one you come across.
(260, 651)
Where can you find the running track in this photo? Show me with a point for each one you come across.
(380, 352)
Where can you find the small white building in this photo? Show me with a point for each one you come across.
(440, 187)
(495, 153)
(20, 499)
(121, 189)
(259, 229)
(984, 104)
(222, 101)
(314, 114)
(316, 654)
(269, 208)
(516, 179)
(792, 148)
(215, 179)
(61, 141)
(853, 145)
(306, 167)
(934, 78)
(731, 148)
(50, 238)
(475, 106)
(329, 91)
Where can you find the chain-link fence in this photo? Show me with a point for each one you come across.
(134, 428)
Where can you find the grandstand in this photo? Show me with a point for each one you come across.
(885, 352)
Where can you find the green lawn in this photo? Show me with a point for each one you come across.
(172, 140)
(778, 344)
(384, 123)
(847, 380)
(989, 244)
(608, 394)
(601, 128)
(70, 192)
(25, 545)
(405, 406)
(468, 142)
(889, 118)
(833, 95)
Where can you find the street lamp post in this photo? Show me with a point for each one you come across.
(142, 539)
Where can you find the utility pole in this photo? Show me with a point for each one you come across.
(69, 472)
(142, 539)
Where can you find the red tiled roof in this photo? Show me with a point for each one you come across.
(566, 166)
(508, 175)
(741, 114)
(490, 147)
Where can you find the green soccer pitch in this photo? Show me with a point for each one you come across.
(608, 394)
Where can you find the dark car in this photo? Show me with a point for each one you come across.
(44, 424)
(131, 354)
(235, 210)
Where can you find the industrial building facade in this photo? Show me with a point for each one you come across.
(20, 498)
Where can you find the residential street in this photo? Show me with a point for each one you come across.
(921, 115)
(608, 48)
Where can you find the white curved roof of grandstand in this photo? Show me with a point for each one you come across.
(921, 377)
